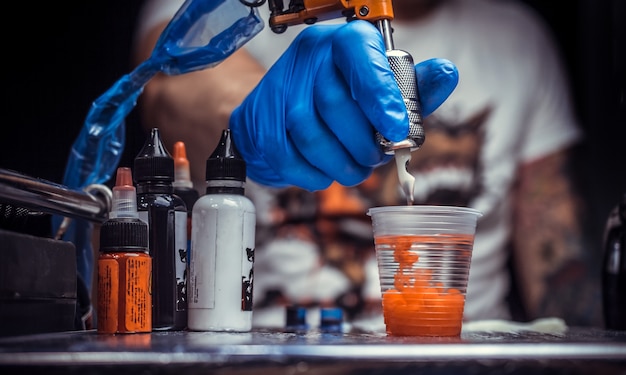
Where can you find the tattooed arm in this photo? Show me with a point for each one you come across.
(557, 271)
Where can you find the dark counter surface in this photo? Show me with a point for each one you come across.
(577, 350)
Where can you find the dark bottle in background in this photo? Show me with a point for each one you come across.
(331, 320)
(614, 269)
(183, 186)
(166, 215)
(295, 319)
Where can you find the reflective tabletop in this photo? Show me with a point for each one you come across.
(575, 351)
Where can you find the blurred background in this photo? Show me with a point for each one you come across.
(59, 57)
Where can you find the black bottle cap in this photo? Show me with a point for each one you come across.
(154, 162)
(129, 234)
(225, 163)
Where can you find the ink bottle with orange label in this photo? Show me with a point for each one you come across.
(124, 265)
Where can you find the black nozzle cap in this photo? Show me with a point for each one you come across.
(128, 234)
(154, 162)
(225, 163)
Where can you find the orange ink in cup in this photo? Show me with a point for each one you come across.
(427, 297)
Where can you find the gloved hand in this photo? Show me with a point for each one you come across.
(312, 118)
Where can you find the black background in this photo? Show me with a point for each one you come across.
(60, 56)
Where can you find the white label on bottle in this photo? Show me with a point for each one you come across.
(202, 261)
(143, 216)
(180, 259)
(221, 259)
(180, 255)
(247, 262)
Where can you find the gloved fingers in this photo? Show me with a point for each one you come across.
(359, 53)
(293, 168)
(280, 168)
(320, 157)
(436, 79)
(345, 118)
(321, 148)
(272, 159)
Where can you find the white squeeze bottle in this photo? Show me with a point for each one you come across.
(222, 246)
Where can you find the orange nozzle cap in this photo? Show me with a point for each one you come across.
(123, 179)
(182, 174)
(124, 203)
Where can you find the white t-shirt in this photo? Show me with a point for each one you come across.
(511, 106)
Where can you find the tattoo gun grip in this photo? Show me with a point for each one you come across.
(403, 69)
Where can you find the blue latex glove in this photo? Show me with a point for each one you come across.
(312, 118)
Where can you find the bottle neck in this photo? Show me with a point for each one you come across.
(155, 187)
(225, 187)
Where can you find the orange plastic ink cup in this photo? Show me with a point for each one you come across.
(423, 255)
